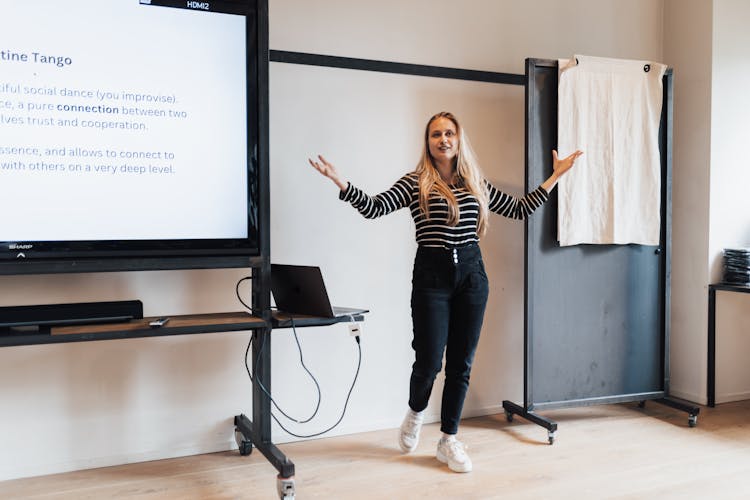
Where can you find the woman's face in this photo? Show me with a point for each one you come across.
(442, 138)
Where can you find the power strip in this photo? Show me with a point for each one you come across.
(355, 329)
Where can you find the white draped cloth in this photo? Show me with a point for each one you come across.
(610, 109)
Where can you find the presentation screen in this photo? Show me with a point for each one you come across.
(128, 127)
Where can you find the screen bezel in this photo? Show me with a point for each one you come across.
(20, 257)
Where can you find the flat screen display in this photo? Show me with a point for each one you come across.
(128, 127)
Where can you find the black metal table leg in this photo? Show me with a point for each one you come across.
(512, 408)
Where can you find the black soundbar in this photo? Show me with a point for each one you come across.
(71, 314)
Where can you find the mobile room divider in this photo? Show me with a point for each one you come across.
(596, 316)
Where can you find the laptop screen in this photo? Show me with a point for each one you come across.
(300, 290)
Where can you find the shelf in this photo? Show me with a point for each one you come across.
(177, 325)
(283, 320)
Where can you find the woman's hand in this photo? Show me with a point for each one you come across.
(329, 171)
(559, 167)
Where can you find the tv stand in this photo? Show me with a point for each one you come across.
(257, 432)
(249, 433)
(136, 328)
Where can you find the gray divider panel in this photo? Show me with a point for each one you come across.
(596, 330)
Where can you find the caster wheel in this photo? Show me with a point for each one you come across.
(551, 437)
(245, 446)
(285, 487)
(693, 420)
(508, 416)
(641, 404)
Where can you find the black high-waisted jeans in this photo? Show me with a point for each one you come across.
(449, 295)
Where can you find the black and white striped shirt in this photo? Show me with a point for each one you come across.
(435, 231)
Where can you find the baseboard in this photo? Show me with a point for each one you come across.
(689, 396)
(43, 469)
(732, 397)
(430, 417)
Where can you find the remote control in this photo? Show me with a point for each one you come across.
(158, 322)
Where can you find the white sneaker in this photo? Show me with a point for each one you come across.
(408, 437)
(452, 452)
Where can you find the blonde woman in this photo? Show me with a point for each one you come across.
(449, 200)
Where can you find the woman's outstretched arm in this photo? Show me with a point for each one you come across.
(398, 196)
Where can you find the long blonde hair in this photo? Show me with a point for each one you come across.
(468, 171)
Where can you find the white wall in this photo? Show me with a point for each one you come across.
(730, 215)
(687, 48)
(704, 40)
(79, 405)
(83, 405)
(493, 35)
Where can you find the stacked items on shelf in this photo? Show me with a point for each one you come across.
(737, 266)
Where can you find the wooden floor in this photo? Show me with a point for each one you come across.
(614, 451)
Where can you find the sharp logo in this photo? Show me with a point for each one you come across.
(20, 246)
(198, 5)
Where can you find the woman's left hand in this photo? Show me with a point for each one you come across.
(559, 167)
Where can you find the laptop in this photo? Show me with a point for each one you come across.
(301, 290)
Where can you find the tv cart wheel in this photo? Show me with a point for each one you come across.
(551, 437)
(508, 416)
(244, 445)
(641, 404)
(692, 420)
(285, 487)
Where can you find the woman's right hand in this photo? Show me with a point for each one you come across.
(329, 171)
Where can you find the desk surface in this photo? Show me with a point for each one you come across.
(729, 287)
(284, 320)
